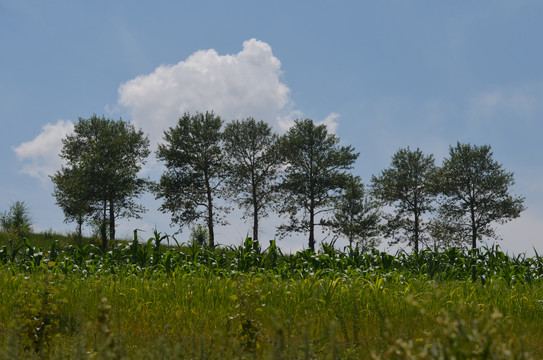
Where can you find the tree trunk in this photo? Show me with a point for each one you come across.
(255, 216)
(111, 220)
(210, 227)
(311, 208)
(417, 231)
(80, 230)
(103, 227)
(312, 229)
(210, 213)
(255, 228)
(473, 229)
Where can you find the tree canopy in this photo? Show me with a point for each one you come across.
(357, 216)
(74, 199)
(100, 177)
(195, 171)
(476, 193)
(17, 219)
(316, 169)
(304, 175)
(253, 161)
(407, 185)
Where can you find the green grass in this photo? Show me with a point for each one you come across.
(142, 300)
(259, 317)
(44, 239)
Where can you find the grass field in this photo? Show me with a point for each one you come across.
(142, 300)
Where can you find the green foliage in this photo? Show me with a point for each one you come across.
(152, 257)
(107, 346)
(475, 191)
(315, 171)
(39, 240)
(407, 185)
(459, 336)
(39, 309)
(383, 310)
(199, 236)
(195, 171)
(357, 215)
(17, 220)
(253, 166)
(247, 307)
(72, 197)
(306, 169)
(100, 180)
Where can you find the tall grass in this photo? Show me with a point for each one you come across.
(41, 240)
(255, 316)
(145, 300)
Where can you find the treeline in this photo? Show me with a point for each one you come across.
(303, 175)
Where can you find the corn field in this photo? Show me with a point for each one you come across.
(149, 300)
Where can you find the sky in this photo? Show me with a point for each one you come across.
(383, 75)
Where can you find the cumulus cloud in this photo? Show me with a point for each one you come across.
(233, 86)
(41, 154)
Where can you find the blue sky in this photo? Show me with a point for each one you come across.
(383, 75)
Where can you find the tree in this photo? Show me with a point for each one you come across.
(406, 185)
(253, 165)
(195, 171)
(357, 215)
(475, 190)
(100, 178)
(17, 220)
(74, 199)
(315, 172)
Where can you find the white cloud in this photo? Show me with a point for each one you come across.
(41, 155)
(285, 122)
(233, 86)
(331, 122)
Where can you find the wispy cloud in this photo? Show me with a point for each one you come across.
(522, 101)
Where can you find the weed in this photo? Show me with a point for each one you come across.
(39, 315)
